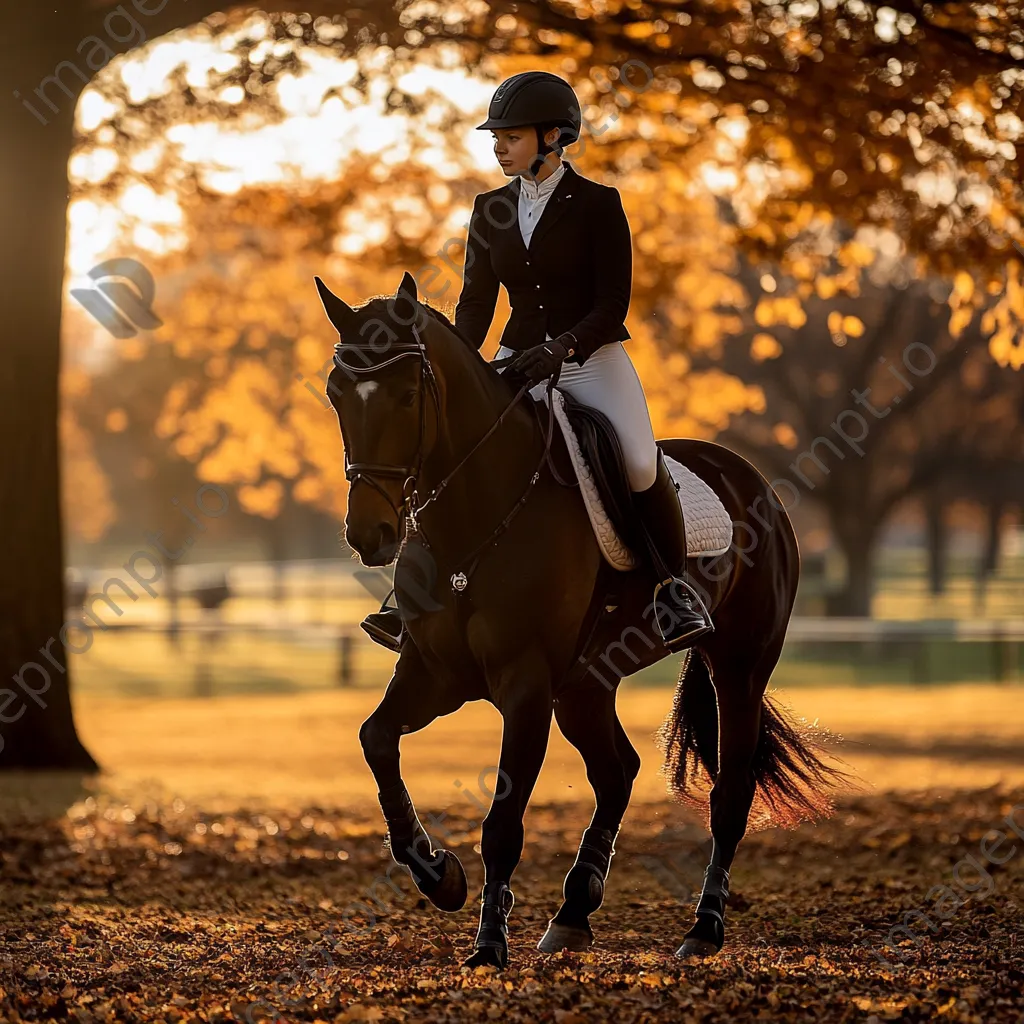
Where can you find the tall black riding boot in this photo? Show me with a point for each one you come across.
(679, 613)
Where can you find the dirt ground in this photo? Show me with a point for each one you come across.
(230, 867)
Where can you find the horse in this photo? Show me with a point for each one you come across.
(506, 598)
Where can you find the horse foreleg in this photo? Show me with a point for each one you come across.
(526, 711)
(589, 722)
(411, 702)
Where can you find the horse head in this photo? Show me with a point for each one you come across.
(390, 404)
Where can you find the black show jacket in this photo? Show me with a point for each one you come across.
(576, 275)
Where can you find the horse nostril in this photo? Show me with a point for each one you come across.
(376, 543)
(388, 539)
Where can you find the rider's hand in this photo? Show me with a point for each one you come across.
(538, 363)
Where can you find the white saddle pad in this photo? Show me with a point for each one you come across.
(708, 525)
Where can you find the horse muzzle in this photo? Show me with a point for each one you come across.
(376, 545)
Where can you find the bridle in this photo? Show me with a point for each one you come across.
(411, 505)
(369, 472)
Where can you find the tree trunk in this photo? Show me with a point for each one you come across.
(990, 556)
(856, 539)
(937, 542)
(40, 42)
(36, 724)
(988, 564)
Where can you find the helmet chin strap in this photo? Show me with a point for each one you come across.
(543, 149)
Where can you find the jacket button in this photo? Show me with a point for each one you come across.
(537, 286)
(540, 307)
(527, 262)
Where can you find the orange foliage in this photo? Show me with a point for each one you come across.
(717, 159)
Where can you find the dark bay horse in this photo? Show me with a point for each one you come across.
(507, 599)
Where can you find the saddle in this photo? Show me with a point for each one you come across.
(600, 468)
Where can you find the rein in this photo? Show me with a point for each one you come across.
(411, 506)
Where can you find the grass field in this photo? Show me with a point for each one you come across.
(303, 747)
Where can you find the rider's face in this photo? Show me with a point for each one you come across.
(516, 148)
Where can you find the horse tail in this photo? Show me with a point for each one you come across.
(689, 736)
(793, 778)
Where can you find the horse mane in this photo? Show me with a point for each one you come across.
(377, 304)
(450, 324)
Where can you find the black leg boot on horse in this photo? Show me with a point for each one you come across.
(438, 874)
(680, 614)
(584, 893)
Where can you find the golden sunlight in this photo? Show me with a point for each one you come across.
(327, 124)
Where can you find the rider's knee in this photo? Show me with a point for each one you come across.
(641, 466)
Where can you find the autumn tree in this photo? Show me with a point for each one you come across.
(846, 108)
(874, 393)
(252, 411)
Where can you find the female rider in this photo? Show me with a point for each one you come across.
(560, 244)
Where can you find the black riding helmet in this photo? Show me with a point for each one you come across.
(536, 98)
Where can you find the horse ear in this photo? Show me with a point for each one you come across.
(407, 289)
(338, 312)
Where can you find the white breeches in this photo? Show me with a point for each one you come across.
(608, 381)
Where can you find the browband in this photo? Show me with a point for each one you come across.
(409, 348)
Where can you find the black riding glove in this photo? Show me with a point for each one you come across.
(538, 363)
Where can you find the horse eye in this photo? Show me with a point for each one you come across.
(409, 398)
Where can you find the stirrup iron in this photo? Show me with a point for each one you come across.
(385, 626)
(690, 618)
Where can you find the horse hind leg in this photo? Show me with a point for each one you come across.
(757, 748)
(739, 722)
(612, 765)
(412, 701)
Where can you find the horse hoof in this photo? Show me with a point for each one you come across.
(699, 948)
(561, 936)
(451, 892)
(488, 956)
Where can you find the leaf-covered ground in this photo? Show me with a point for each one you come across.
(161, 911)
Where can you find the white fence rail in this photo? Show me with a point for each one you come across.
(216, 618)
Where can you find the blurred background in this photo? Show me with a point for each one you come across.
(795, 263)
